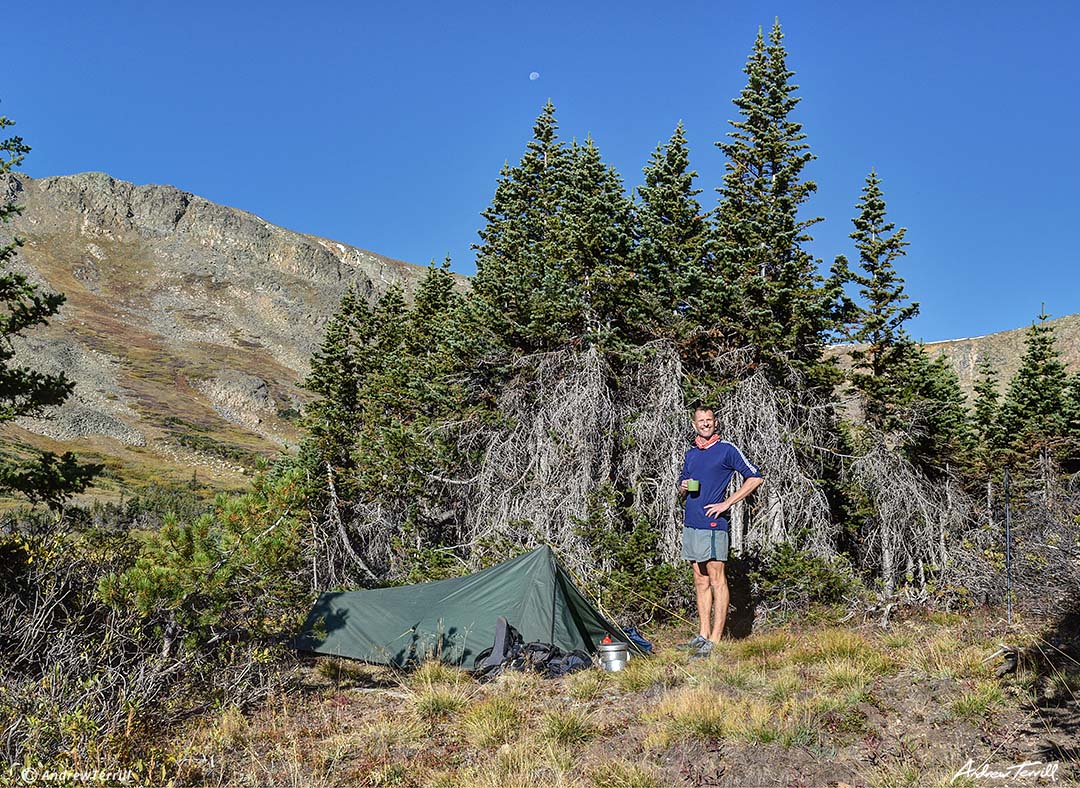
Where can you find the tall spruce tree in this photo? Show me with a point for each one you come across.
(554, 268)
(769, 294)
(339, 370)
(604, 305)
(673, 237)
(383, 375)
(879, 367)
(1033, 419)
(516, 278)
(39, 476)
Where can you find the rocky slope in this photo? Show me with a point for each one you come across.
(187, 327)
(1005, 349)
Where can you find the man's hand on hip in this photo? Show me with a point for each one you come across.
(717, 509)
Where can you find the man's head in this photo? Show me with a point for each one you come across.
(704, 421)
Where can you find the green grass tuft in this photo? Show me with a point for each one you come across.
(978, 704)
(568, 727)
(492, 722)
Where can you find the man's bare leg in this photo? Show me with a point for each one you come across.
(703, 588)
(720, 597)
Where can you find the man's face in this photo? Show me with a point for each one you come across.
(704, 423)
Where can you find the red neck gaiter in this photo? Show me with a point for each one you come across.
(701, 443)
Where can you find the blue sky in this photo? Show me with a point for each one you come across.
(384, 125)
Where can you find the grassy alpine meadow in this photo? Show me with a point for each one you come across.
(918, 703)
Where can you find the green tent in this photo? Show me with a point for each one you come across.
(455, 619)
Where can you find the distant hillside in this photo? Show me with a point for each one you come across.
(187, 324)
(1004, 349)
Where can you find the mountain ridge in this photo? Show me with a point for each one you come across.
(189, 326)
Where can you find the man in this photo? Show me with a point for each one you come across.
(710, 462)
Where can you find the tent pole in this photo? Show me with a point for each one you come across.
(1008, 548)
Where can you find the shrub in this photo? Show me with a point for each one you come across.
(230, 573)
(795, 579)
(631, 565)
(112, 637)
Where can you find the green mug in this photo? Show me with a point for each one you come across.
(693, 485)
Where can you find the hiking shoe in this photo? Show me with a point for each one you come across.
(705, 649)
(693, 644)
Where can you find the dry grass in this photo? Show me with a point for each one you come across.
(736, 676)
(766, 702)
(846, 674)
(978, 704)
(785, 685)
(896, 775)
(587, 684)
(643, 673)
(937, 658)
(692, 711)
(346, 672)
(1063, 685)
(625, 774)
(836, 714)
(766, 651)
(437, 692)
(568, 727)
(492, 722)
(438, 674)
(524, 764)
(898, 640)
(835, 643)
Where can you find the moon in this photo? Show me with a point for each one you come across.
(534, 75)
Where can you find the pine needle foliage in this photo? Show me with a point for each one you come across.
(879, 325)
(672, 251)
(766, 287)
(1033, 414)
(41, 477)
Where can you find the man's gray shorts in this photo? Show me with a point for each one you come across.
(701, 545)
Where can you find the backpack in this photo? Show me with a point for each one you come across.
(509, 652)
(552, 661)
(506, 653)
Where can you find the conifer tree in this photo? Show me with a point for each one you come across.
(985, 416)
(879, 325)
(554, 266)
(673, 236)
(383, 375)
(514, 282)
(435, 331)
(769, 293)
(600, 300)
(338, 371)
(932, 419)
(1033, 418)
(43, 477)
(1072, 413)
